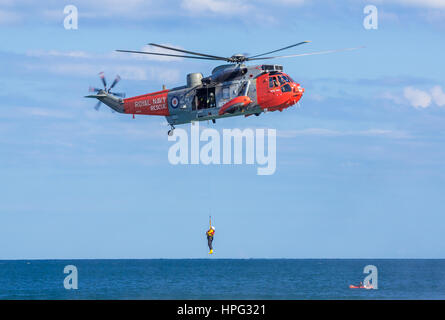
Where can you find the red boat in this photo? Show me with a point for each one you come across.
(360, 287)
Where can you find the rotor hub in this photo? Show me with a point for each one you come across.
(237, 58)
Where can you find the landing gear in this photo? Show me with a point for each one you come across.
(170, 132)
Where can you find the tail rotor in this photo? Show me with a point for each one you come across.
(106, 91)
(97, 106)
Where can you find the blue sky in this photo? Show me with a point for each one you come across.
(360, 170)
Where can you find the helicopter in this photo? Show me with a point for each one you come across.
(232, 89)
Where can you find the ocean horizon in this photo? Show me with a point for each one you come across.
(251, 278)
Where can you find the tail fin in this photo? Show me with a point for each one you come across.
(111, 101)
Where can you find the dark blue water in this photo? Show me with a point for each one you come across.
(222, 279)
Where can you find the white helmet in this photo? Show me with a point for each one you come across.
(213, 228)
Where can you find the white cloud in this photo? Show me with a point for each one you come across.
(135, 9)
(383, 132)
(7, 3)
(112, 54)
(393, 97)
(435, 4)
(308, 132)
(9, 17)
(417, 98)
(148, 48)
(18, 112)
(336, 133)
(438, 96)
(388, 16)
(231, 7)
(82, 63)
(55, 53)
(292, 2)
(130, 72)
(423, 99)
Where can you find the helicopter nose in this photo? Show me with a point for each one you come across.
(297, 93)
(298, 89)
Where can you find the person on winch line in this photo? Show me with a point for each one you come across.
(210, 233)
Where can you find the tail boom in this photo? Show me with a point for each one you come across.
(108, 99)
(155, 103)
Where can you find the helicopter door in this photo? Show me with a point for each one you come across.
(268, 89)
(203, 100)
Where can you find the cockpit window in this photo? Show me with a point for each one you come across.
(286, 78)
(281, 79)
(273, 82)
(286, 88)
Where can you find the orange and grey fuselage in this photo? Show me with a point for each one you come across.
(231, 90)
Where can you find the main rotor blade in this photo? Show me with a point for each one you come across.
(305, 54)
(116, 80)
(186, 51)
(291, 46)
(166, 54)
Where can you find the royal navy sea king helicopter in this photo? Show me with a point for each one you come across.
(232, 89)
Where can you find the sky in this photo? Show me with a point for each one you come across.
(360, 170)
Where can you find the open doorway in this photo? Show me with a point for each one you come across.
(204, 99)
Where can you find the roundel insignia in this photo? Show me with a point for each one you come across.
(175, 102)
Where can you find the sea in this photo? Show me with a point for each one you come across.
(299, 279)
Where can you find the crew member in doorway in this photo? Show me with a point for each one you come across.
(211, 100)
(210, 233)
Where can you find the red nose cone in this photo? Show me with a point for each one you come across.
(297, 94)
